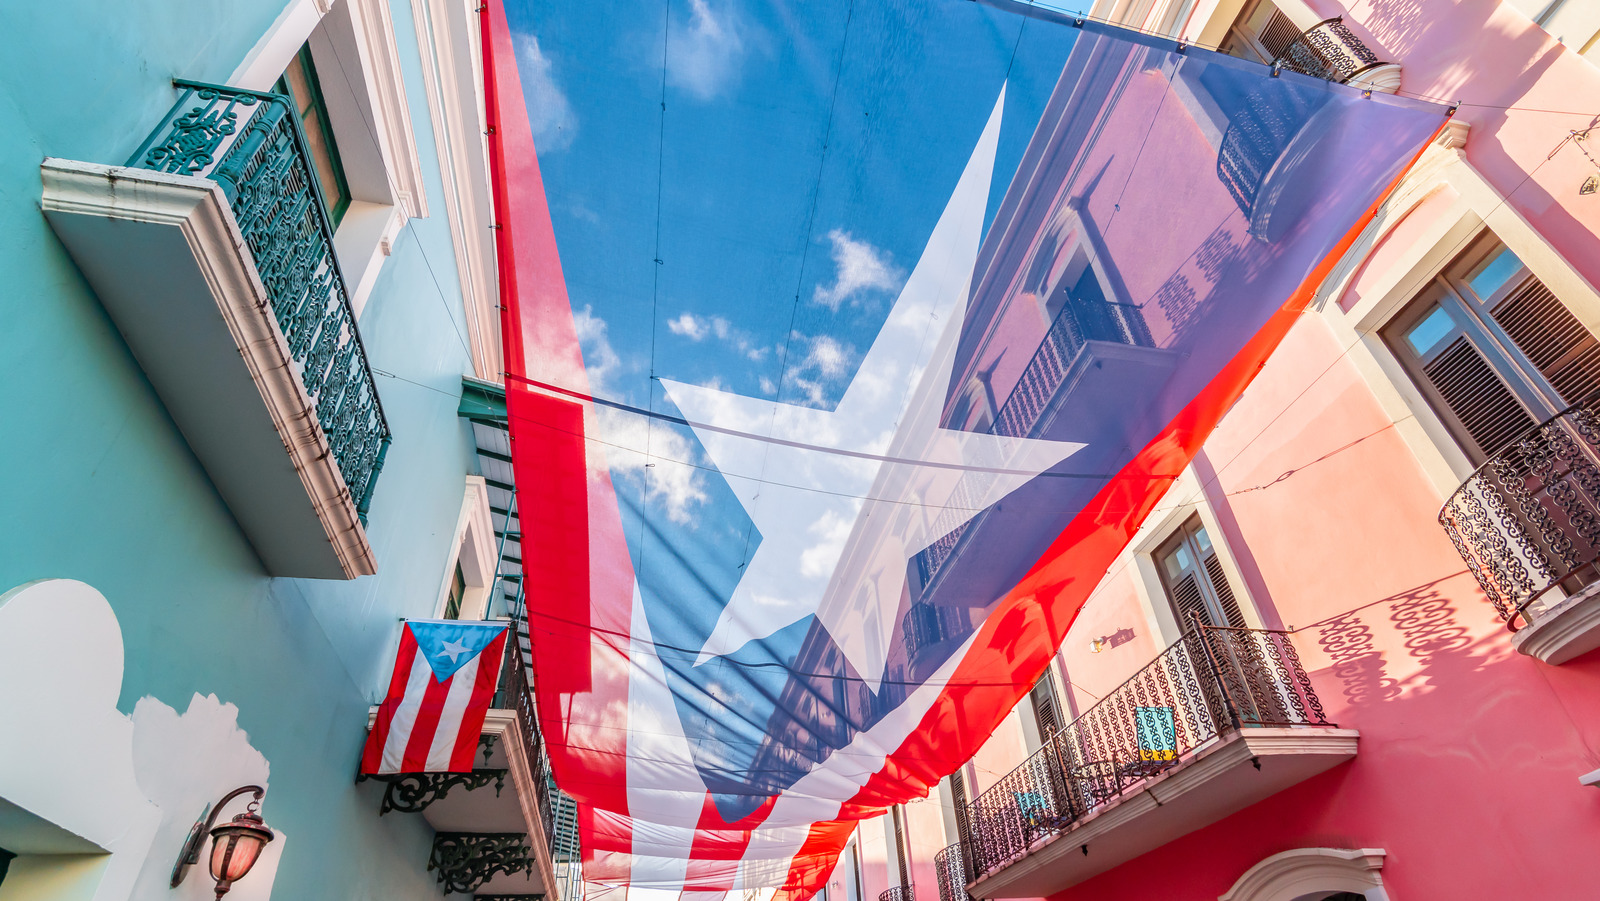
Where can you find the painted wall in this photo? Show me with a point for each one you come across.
(97, 485)
(1470, 753)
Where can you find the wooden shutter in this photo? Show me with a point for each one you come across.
(1277, 33)
(1479, 398)
(958, 799)
(1224, 593)
(901, 852)
(1188, 602)
(1552, 339)
(1046, 712)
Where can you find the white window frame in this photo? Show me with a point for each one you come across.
(1478, 209)
(358, 63)
(1184, 500)
(449, 39)
(475, 547)
(1306, 871)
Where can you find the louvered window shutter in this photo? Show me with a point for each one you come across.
(901, 852)
(1224, 593)
(1045, 710)
(1479, 398)
(958, 800)
(1278, 33)
(1552, 339)
(1188, 602)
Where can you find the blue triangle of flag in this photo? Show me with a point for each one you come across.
(448, 644)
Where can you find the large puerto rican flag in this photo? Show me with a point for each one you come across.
(445, 673)
(874, 333)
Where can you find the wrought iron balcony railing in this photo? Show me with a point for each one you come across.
(515, 692)
(250, 143)
(1528, 520)
(1074, 326)
(898, 893)
(1211, 681)
(952, 873)
(1329, 50)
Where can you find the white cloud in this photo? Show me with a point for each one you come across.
(600, 360)
(554, 124)
(825, 362)
(706, 51)
(658, 457)
(697, 328)
(831, 531)
(858, 267)
(767, 387)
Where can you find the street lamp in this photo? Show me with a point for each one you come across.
(235, 845)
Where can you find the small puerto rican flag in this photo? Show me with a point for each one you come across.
(444, 678)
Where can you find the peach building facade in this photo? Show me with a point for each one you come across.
(1402, 507)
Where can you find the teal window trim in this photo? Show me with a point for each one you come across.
(340, 198)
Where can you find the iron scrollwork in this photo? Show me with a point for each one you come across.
(251, 144)
(1212, 680)
(1528, 521)
(413, 792)
(466, 860)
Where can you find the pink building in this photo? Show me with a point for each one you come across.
(1391, 691)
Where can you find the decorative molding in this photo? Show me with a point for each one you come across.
(466, 860)
(525, 780)
(1425, 178)
(1286, 876)
(452, 74)
(1563, 630)
(1381, 79)
(198, 209)
(386, 83)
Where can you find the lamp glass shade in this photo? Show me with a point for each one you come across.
(245, 836)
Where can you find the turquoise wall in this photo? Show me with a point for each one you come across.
(97, 484)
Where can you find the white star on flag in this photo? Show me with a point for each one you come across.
(845, 498)
(453, 649)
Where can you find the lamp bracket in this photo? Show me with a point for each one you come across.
(190, 854)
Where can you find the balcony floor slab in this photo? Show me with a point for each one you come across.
(167, 261)
(1566, 629)
(1217, 781)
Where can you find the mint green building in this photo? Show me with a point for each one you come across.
(248, 270)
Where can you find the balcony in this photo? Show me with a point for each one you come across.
(1331, 51)
(898, 893)
(212, 252)
(1527, 523)
(504, 829)
(952, 872)
(1222, 719)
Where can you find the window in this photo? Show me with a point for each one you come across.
(1194, 581)
(902, 848)
(1493, 349)
(458, 591)
(958, 802)
(1261, 33)
(1046, 710)
(300, 82)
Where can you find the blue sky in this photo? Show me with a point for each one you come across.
(790, 214)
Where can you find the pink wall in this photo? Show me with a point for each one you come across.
(1470, 752)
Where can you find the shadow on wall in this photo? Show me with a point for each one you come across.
(1432, 635)
(94, 803)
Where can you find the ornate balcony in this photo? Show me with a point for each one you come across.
(952, 871)
(1330, 50)
(213, 253)
(1220, 720)
(898, 893)
(1527, 523)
